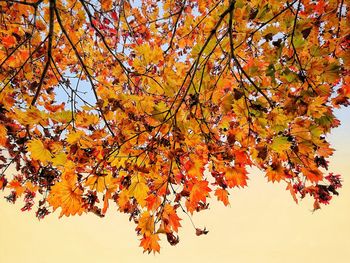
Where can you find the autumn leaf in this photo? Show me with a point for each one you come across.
(3, 134)
(170, 218)
(313, 175)
(146, 224)
(222, 196)
(280, 144)
(123, 200)
(236, 176)
(8, 41)
(67, 195)
(17, 187)
(199, 191)
(101, 182)
(292, 192)
(150, 243)
(38, 151)
(275, 173)
(106, 5)
(139, 190)
(59, 159)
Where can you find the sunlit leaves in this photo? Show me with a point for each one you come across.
(158, 106)
(102, 182)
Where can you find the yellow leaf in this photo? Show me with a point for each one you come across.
(317, 108)
(38, 151)
(59, 159)
(62, 116)
(123, 200)
(102, 182)
(74, 137)
(280, 144)
(139, 190)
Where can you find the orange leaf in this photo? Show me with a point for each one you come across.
(222, 196)
(3, 135)
(146, 224)
(8, 41)
(292, 192)
(199, 192)
(150, 243)
(313, 175)
(67, 195)
(17, 187)
(171, 219)
(105, 201)
(236, 176)
(153, 202)
(106, 5)
(275, 172)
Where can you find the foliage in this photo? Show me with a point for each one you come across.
(130, 102)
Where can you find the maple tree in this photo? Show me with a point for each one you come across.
(131, 102)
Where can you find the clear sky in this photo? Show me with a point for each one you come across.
(263, 224)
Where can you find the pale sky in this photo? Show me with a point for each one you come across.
(263, 224)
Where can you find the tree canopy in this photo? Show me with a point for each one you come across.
(156, 106)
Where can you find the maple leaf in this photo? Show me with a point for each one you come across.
(8, 41)
(67, 195)
(150, 243)
(123, 200)
(195, 168)
(139, 190)
(153, 202)
(236, 176)
(170, 218)
(17, 187)
(199, 191)
(146, 224)
(101, 182)
(38, 151)
(222, 196)
(313, 175)
(275, 173)
(280, 144)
